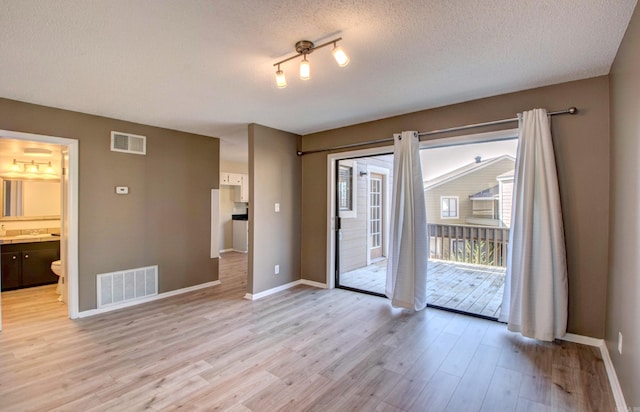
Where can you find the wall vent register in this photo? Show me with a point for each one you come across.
(127, 285)
(128, 143)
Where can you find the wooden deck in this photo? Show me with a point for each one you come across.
(469, 288)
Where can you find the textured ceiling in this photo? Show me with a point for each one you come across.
(206, 66)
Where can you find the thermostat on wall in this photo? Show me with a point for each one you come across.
(122, 190)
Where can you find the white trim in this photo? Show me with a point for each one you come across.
(384, 228)
(72, 208)
(616, 389)
(215, 223)
(353, 213)
(259, 295)
(226, 250)
(618, 396)
(583, 340)
(457, 198)
(93, 312)
(313, 283)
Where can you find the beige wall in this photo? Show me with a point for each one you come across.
(166, 218)
(623, 303)
(582, 152)
(274, 238)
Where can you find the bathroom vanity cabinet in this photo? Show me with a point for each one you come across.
(28, 264)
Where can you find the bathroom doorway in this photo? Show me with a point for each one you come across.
(67, 159)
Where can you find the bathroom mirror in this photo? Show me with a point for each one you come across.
(30, 199)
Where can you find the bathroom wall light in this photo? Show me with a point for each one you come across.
(31, 166)
(304, 48)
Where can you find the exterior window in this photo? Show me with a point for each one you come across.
(345, 200)
(449, 207)
(347, 188)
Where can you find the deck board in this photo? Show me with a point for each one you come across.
(469, 288)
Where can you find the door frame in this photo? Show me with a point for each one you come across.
(332, 160)
(71, 275)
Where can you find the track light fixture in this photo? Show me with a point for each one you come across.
(303, 48)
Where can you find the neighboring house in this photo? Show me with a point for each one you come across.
(478, 193)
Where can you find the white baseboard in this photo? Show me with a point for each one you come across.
(313, 283)
(583, 340)
(618, 396)
(93, 312)
(616, 389)
(226, 250)
(286, 286)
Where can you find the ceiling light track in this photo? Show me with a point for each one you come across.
(304, 48)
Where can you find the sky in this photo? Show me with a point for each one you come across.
(438, 161)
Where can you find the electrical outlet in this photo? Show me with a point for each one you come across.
(276, 269)
(620, 343)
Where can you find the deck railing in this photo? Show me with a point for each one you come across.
(469, 244)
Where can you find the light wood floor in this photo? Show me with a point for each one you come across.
(469, 288)
(301, 349)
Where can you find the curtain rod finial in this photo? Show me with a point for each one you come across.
(573, 110)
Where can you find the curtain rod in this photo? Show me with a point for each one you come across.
(571, 110)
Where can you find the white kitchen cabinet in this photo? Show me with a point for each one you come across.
(242, 193)
(240, 235)
(231, 179)
(235, 179)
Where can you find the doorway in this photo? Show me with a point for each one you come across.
(68, 215)
(362, 192)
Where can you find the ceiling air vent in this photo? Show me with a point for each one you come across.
(128, 143)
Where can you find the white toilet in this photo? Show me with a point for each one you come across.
(56, 267)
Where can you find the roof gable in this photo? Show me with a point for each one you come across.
(464, 170)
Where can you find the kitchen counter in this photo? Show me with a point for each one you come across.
(240, 217)
(44, 237)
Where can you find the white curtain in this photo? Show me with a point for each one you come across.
(409, 245)
(535, 296)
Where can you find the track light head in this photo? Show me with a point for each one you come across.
(305, 69)
(281, 81)
(340, 55)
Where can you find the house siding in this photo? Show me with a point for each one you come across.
(463, 187)
(506, 201)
